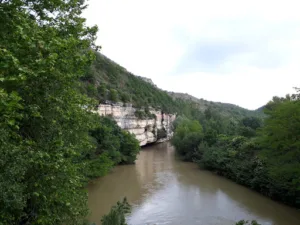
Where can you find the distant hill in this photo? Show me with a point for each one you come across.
(260, 109)
(106, 80)
(226, 109)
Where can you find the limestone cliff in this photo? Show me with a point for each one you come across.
(146, 130)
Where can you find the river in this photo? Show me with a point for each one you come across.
(164, 190)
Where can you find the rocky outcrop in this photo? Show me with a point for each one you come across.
(158, 128)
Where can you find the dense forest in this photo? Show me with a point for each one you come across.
(225, 109)
(51, 144)
(261, 154)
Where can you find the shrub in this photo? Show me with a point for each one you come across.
(116, 216)
(187, 137)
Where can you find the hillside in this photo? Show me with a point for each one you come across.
(225, 109)
(106, 80)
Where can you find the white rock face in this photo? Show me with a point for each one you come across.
(145, 130)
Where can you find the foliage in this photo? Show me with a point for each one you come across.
(129, 148)
(187, 137)
(225, 110)
(144, 114)
(46, 148)
(233, 157)
(113, 95)
(140, 114)
(116, 216)
(45, 47)
(210, 137)
(252, 122)
(238, 158)
(214, 123)
(249, 125)
(120, 146)
(97, 165)
(280, 140)
(261, 155)
(246, 131)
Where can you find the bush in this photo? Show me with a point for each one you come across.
(239, 159)
(97, 166)
(140, 114)
(187, 137)
(129, 148)
(120, 146)
(113, 95)
(116, 216)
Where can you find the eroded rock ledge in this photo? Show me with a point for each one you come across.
(147, 130)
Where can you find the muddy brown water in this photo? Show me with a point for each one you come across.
(163, 190)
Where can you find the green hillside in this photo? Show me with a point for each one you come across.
(225, 109)
(106, 80)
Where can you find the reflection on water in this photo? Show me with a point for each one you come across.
(163, 190)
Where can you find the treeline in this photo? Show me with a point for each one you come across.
(111, 146)
(263, 155)
(50, 142)
(224, 109)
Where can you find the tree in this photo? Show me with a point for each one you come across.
(252, 122)
(246, 131)
(296, 96)
(280, 139)
(45, 47)
(120, 146)
(210, 137)
(129, 148)
(116, 216)
(102, 91)
(113, 95)
(187, 137)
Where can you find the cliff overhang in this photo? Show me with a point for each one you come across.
(155, 128)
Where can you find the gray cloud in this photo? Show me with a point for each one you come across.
(209, 49)
(209, 55)
(244, 42)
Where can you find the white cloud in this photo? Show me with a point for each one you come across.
(154, 38)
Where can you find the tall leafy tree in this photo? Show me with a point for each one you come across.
(280, 139)
(187, 137)
(45, 47)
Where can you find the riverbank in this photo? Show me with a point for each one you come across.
(263, 155)
(164, 190)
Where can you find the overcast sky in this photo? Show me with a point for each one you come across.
(233, 51)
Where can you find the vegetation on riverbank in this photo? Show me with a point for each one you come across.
(50, 142)
(263, 155)
(117, 214)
